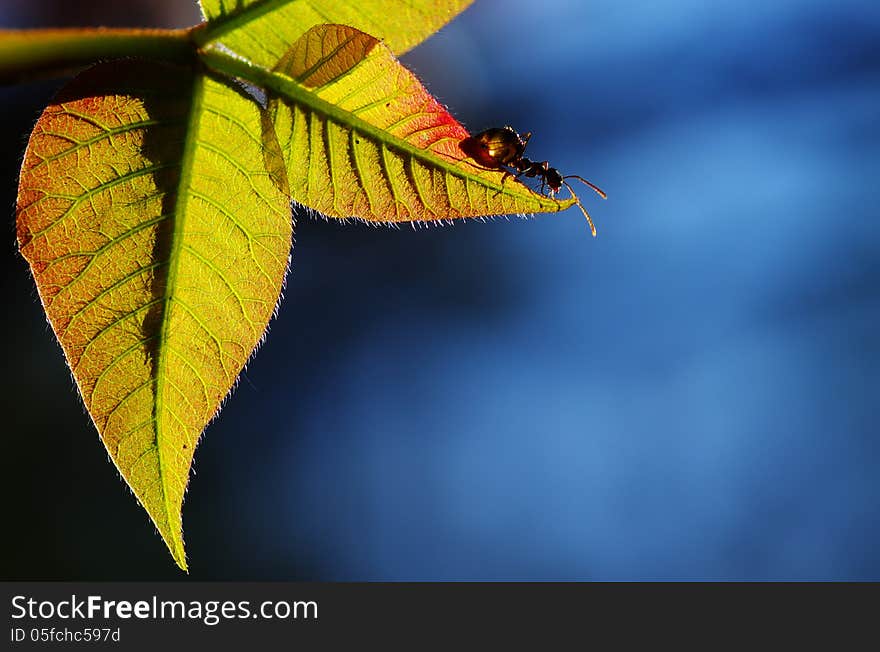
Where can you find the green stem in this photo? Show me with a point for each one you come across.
(27, 54)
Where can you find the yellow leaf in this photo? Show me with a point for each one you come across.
(159, 244)
(363, 138)
(263, 30)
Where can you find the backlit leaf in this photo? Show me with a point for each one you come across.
(154, 204)
(363, 138)
(263, 30)
(159, 241)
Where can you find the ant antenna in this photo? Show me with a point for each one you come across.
(598, 190)
(577, 200)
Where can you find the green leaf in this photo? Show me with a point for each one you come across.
(154, 205)
(363, 138)
(263, 30)
(159, 241)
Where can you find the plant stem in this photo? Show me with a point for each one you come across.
(28, 54)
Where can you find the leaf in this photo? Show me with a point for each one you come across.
(153, 209)
(363, 138)
(159, 244)
(263, 30)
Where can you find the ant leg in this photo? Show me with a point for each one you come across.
(507, 173)
(531, 173)
(583, 210)
(598, 190)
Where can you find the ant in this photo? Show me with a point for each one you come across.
(499, 147)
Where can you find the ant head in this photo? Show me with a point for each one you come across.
(553, 178)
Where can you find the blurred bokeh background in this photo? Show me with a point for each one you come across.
(692, 395)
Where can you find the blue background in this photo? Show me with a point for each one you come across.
(692, 395)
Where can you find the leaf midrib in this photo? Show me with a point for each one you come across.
(179, 219)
